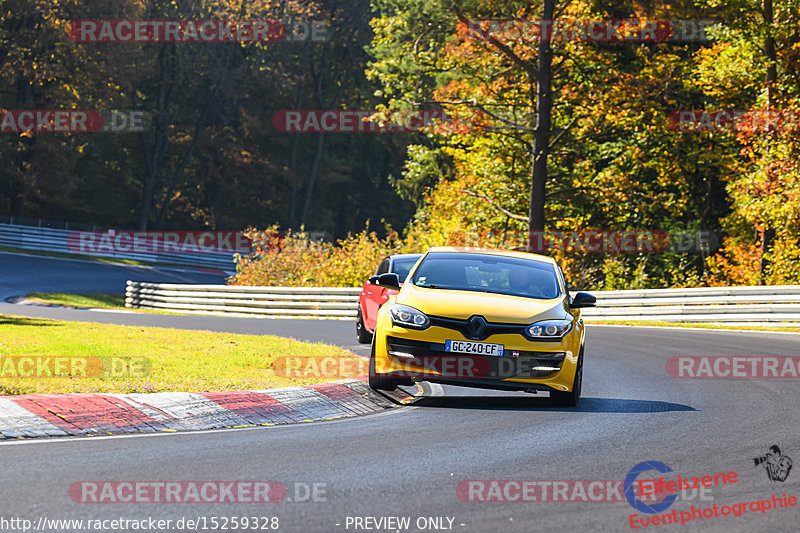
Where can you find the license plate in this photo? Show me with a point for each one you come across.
(474, 348)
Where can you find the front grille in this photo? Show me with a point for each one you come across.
(513, 363)
(490, 328)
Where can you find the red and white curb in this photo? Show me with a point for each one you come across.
(60, 415)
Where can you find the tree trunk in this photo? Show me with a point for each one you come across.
(541, 139)
(312, 178)
(20, 186)
(294, 207)
(768, 234)
(154, 152)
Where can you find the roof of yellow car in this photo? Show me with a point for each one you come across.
(508, 253)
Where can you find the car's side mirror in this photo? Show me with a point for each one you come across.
(583, 299)
(389, 280)
(372, 280)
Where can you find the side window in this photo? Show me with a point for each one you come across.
(563, 283)
(383, 268)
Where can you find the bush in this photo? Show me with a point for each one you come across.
(297, 260)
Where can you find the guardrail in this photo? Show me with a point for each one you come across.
(769, 303)
(55, 240)
(773, 304)
(238, 300)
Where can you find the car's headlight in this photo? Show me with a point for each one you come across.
(408, 317)
(549, 329)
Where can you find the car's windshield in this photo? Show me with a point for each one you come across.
(402, 266)
(488, 273)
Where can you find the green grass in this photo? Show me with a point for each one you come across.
(689, 325)
(162, 359)
(106, 301)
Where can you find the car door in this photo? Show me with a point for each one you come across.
(375, 297)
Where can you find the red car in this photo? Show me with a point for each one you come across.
(373, 296)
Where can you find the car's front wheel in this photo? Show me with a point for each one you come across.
(377, 381)
(364, 336)
(570, 399)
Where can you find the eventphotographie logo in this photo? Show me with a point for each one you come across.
(776, 464)
(634, 500)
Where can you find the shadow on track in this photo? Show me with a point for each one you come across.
(522, 403)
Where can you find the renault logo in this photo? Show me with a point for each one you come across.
(476, 326)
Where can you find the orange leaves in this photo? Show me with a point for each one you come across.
(297, 259)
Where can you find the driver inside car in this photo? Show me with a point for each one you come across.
(520, 283)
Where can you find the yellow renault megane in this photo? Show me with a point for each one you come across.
(481, 318)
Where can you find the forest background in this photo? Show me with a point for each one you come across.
(565, 134)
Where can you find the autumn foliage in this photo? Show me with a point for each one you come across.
(297, 260)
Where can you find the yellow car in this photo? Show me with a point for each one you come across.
(481, 318)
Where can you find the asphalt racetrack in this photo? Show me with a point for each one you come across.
(433, 462)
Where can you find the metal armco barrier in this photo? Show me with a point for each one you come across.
(55, 240)
(237, 300)
(773, 304)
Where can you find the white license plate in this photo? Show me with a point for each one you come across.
(474, 348)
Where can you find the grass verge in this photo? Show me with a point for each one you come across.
(690, 325)
(146, 359)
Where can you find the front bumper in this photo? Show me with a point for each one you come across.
(419, 355)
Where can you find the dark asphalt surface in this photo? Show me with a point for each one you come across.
(409, 461)
(22, 274)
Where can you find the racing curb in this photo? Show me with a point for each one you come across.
(61, 415)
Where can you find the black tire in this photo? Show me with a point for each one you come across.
(377, 381)
(570, 399)
(364, 336)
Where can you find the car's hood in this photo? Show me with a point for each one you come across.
(499, 308)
